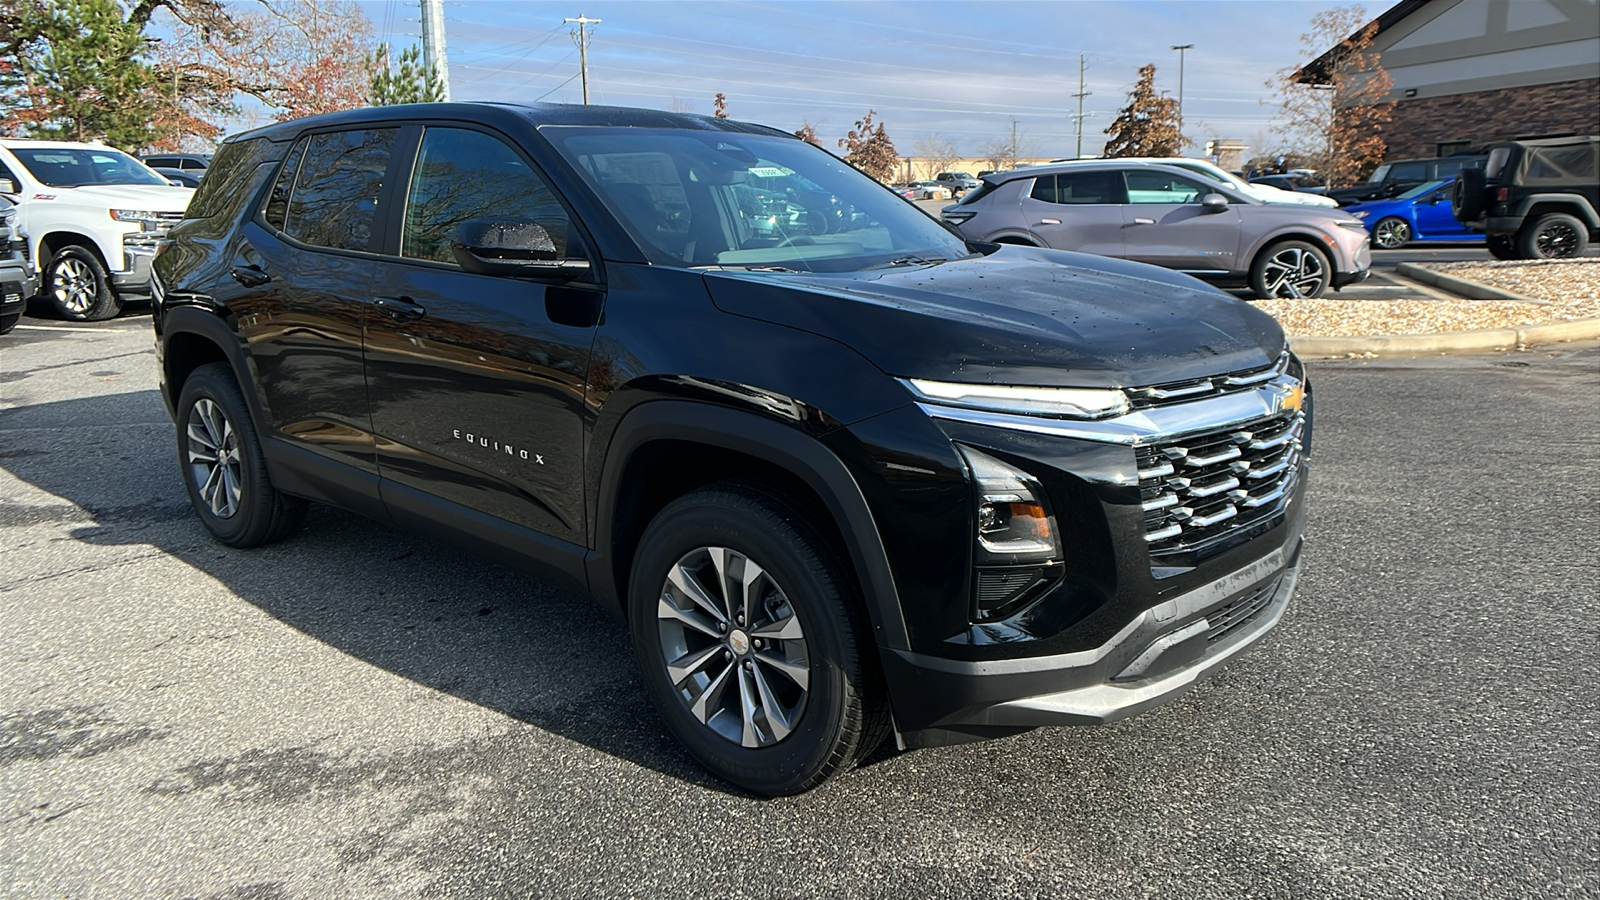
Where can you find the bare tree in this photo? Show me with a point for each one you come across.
(1148, 125)
(937, 154)
(867, 147)
(1335, 105)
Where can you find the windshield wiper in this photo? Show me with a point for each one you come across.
(909, 261)
(750, 267)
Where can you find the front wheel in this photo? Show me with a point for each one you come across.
(223, 466)
(1391, 233)
(1501, 246)
(1291, 269)
(752, 641)
(1553, 236)
(78, 287)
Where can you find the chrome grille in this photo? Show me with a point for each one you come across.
(1200, 388)
(1199, 489)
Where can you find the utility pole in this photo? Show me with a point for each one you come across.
(1180, 48)
(433, 52)
(1078, 119)
(581, 35)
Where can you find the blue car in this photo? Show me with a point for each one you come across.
(1420, 214)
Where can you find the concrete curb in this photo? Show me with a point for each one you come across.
(1461, 287)
(1487, 341)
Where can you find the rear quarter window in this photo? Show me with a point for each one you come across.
(222, 191)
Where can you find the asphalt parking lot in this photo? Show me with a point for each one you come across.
(359, 712)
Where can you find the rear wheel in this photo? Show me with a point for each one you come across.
(1391, 233)
(1292, 269)
(1553, 236)
(78, 287)
(1502, 246)
(224, 469)
(752, 641)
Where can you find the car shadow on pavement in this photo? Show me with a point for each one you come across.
(503, 639)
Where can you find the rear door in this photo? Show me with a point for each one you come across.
(477, 381)
(1078, 211)
(1435, 218)
(1167, 226)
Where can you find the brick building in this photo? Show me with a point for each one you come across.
(1467, 72)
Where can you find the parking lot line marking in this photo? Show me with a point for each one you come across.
(68, 328)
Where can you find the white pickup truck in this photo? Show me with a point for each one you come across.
(94, 217)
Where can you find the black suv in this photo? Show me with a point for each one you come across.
(842, 474)
(1534, 199)
(18, 279)
(1397, 176)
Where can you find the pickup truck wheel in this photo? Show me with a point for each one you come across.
(1502, 246)
(751, 641)
(223, 467)
(77, 286)
(1293, 269)
(1553, 236)
(1391, 233)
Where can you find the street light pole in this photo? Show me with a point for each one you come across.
(1180, 48)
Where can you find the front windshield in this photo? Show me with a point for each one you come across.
(1214, 173)
(711, 199)
(77, 166)
(1421, 189)
(1379, 174)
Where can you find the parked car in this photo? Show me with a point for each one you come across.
(1168, 217)
(958, 182)
(195, 163)
(94, 216)
(1292, 182)
(925, 190)
(188, 178)
(1398, 176)
(1421, 214)
(1534, 199)
(1206, 169)
(838, 484)
(18, 278)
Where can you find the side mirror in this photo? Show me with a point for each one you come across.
(1213, 202)
(8, 186)
(511, 246)
(175, 182)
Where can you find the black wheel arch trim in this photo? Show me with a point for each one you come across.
(783, 445)
(1575, 205)
(203, 322)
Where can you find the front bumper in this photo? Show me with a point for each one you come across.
(17, 284)
(133, 283)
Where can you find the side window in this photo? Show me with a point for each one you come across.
(335, 198)
(278, 198)
(463, 175)
(1159, 187)
(1086, 187)
(1044, 188)
(1409, 173)
(236, 162)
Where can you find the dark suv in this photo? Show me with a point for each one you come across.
(18, 279)
(1395, 177)
(1534, 199)
(842, 474)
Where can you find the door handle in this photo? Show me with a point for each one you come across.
(1049, 221)
(400, 309)
(1143, 221)
(251, 276)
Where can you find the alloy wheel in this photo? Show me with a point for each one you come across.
(1557, 240)
(1293, 272)
(73, 284)
(1391, 233)
(213, 452)
(735, 651)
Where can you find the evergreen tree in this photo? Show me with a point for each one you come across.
(404, 80)
(1148, 125)
(78, 72)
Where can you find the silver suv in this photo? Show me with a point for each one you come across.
(1169, 217)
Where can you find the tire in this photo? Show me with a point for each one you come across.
(1466, 196)
(8, 322)
(1553, 236)
(76, 284)
(1501, 246)
(776, 708)
(1293, 269)
(1391, 233)
(230, 489)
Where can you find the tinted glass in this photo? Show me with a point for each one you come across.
(463, 175)
(708, 198)
(226, 181)
(1044, 188)
(335, 198)
(1076, 188)
(1412, 172)
(1159, 187)
(278, 198)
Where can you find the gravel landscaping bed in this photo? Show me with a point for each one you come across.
(1571, 287)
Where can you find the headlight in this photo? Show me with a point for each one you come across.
(1017, 548)
(1066, 403)
(1360, 214)
(135, 215)
(1355, 226)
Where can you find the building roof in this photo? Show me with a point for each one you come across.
(1316, 71)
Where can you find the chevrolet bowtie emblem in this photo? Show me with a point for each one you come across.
(1294, 397)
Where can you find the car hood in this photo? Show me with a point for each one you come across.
(155, 197)
(1020, 316)
(1266, 193)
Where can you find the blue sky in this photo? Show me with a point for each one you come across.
(960, 70)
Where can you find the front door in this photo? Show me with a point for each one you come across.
(1436, 219)
(1165, 225)
(477, 381)
(1077, 211)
